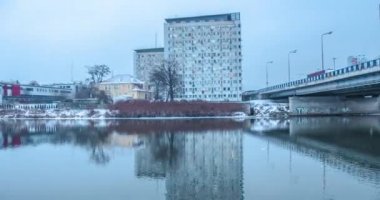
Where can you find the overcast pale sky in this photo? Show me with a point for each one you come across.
(41, 39)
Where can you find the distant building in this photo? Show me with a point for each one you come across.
(208, 50)
(16, 93)
(125, 86)
(354, 60)
(145, 60)
(74, 87)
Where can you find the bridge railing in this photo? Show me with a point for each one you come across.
(328, 75)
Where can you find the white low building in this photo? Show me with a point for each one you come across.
(124, 87)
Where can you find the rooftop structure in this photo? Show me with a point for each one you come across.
(220, 17)
(122, 78)
(151, 50)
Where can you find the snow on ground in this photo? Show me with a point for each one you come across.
(265, 124)
(266, 108)
(58, 113)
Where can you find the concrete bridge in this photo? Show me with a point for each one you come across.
(351, 90)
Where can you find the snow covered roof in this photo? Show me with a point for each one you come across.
(140, 90)
(122, 78)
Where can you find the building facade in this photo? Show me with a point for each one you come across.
(16, 93)
(145, 60)
(124, 87)
(208, 51)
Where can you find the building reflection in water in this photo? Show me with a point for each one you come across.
(195, 165)
(203, 159)
(197, 159)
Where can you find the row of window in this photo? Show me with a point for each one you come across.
(151, 55)
(215, 61)
(209, 55)
(203, 33)
(46, 90)
(202, 27)
(195, 75)
(203, 41)
(210, 96)
(202, 83)
(209, 68)
(174, 49)
(212, 89)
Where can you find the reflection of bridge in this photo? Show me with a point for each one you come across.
(336, 92)
(349, 151)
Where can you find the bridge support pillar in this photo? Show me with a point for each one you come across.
(333, 105)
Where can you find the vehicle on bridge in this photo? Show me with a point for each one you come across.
(347, 80)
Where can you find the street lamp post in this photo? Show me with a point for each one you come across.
(334, 61)
(290, 52)
(266, 70)
(323, 58)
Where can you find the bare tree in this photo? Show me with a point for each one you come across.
(98, 72)
(34, 83)
(166, 78)
(157, 86)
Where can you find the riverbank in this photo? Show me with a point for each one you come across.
(156, 110)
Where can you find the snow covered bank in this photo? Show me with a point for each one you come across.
(58, 113)
(259, 109)
(266, 108)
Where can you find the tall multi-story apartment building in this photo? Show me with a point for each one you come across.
(145, 60)
(208, 51)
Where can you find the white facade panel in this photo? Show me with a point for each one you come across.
(208, 49)
(145, 60)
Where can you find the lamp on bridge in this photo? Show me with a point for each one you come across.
(290, 52)
(334, 61)
(323, 58)
(266, 70)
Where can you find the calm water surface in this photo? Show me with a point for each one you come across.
(298, 158)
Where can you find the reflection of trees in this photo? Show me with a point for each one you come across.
(94, 137)
(158, 154)
(90, 137)
(99, 156)
(165, 151)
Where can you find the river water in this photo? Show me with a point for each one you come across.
(297, 158)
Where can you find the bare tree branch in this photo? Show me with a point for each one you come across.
(167, 79)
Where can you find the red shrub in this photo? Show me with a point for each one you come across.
(142, 108)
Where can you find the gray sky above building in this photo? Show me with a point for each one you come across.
(41, 39)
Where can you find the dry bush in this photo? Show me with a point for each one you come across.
(142, 108)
